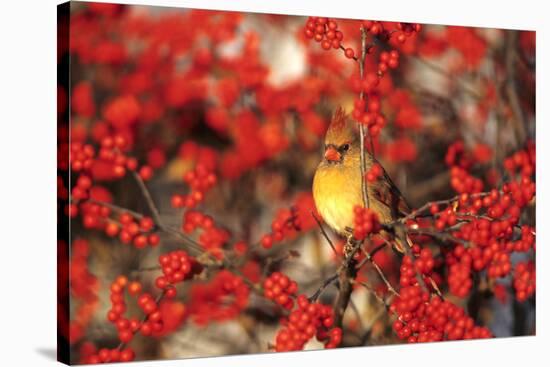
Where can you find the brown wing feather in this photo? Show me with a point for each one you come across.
(387, 193)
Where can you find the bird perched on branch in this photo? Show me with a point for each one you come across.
(337, 186)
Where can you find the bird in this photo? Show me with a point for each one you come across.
(337, 187)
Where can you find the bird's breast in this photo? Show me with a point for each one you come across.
(336, 191)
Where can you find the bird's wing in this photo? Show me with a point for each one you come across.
(387, 193)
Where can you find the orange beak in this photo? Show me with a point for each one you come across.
(332, 155)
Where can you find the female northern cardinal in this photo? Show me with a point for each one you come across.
(337, 182)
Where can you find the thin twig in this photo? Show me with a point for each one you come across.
(322, 288)
(373, 292)
(345, 276)
(149, 200)
(364, 188)
(381, 274)
(324, 233)
(435, 287)
(417, 212)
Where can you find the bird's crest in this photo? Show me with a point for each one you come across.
(340, 130)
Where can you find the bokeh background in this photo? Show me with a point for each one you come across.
(248, 96)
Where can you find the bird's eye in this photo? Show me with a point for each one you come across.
(345, 147)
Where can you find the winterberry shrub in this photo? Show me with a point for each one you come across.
(186, 179)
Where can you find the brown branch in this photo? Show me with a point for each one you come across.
(364, 188)
(322, 287)
(442, 236)
(417, 212)
(345, 276)
(348, 271)
(328, 281)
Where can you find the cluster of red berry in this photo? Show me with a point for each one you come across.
(463, 182)
(222, 298)
(81, 157)
(525, 242)
(459, 275)
(387, 60)
(525, 280)
(365, 222)
(286, 224)
(308, 320)
(401, 33)
(521, 191)
(460, 162)
(212, 238)
(500, 265)
(80, 191)
(421, 319)
(405, 30)
(199, 180)
(155, 311)
(106, 355)
(407, 272)
(522, 162)
(280, 289)
(138, 232)
(444, 218)
(487, 232)
(325, 31)
(422, 263)
(126, 327)
(425, 262)
(176, 267)
(111, 161)
(112, 154)
(93, 215)
(368, 113)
